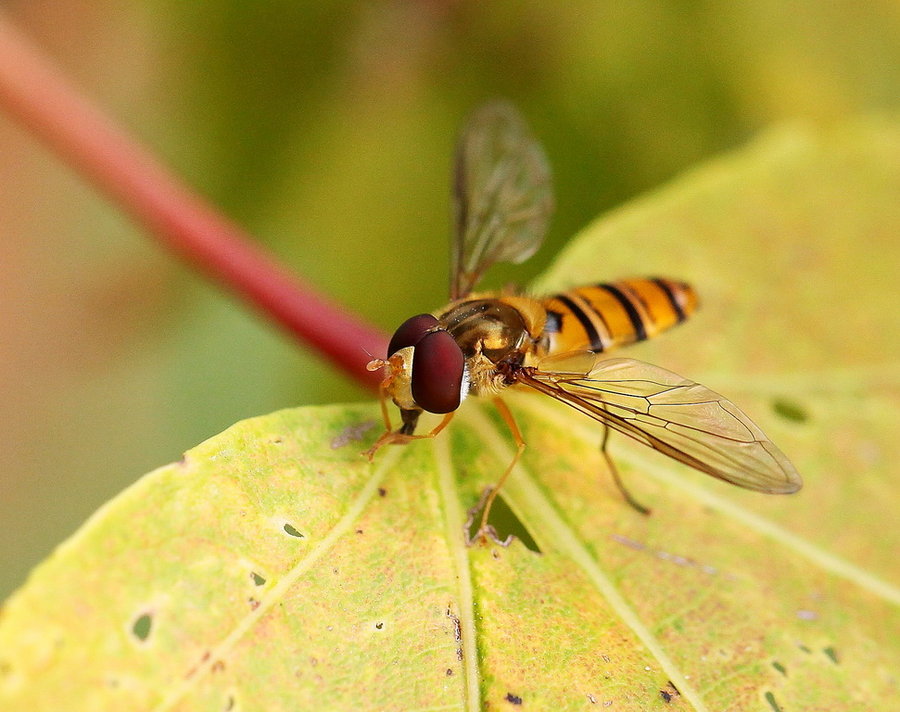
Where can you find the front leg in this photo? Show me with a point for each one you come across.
(405, 433)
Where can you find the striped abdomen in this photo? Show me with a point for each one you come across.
(611, 314)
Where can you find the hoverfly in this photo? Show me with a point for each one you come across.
(481, 344)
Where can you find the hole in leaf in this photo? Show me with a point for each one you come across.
(770, 698)
(288, 528)
(790, 410)
(257, 579)
(505, 523)
(832, 654)
(780, 668)
(142, 626)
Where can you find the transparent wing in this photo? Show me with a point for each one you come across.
(675, 416)
(502, 195)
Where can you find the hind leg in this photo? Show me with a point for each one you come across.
(615, 475)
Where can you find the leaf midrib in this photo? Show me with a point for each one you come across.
(522, 486)
(460, 554)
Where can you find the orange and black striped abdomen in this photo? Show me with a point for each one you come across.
(611, 314)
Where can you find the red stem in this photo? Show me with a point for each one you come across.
(35, 92)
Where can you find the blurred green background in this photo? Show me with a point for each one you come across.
(326, 129)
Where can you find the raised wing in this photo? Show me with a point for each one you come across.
(675, 416)
(502, 195)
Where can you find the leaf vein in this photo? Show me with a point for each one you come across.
(459, 552)
(522, 486)
(343, 525)
(824, 559)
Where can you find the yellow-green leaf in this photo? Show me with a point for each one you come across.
(273, 568)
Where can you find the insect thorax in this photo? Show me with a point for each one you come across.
(488, 327)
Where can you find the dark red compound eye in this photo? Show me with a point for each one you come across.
(410, 331)
(437, 373)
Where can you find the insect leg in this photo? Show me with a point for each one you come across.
(445, 421)
(383, 402)
(398, 437)
(615, 474)
(385, 415)
(520, 448)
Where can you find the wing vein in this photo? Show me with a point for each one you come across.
(674, 416)
(822, 558)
